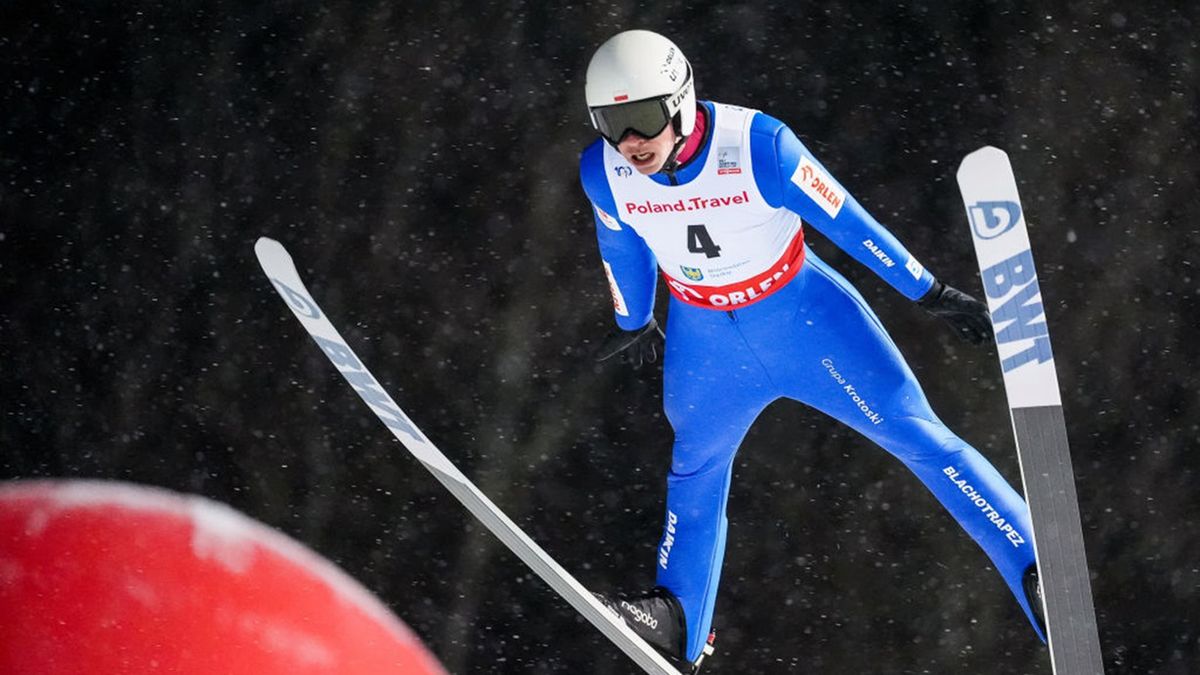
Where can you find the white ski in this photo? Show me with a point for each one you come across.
(1010, 282)
(282, 272)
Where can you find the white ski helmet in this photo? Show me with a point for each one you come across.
(639, 81)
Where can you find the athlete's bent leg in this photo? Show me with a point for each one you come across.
(850, 369)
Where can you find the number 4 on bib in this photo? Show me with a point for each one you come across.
(1023, 341)
(699, 241)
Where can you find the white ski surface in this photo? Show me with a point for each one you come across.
(1010, 282)
(282, 272)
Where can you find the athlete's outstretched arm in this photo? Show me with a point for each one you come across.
(627, 260)
(789, 175)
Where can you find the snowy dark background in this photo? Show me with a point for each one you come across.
(419, 161)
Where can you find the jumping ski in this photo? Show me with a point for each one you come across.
(279, 268)
(1010, 282)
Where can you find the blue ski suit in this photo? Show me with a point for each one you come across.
(772, 321)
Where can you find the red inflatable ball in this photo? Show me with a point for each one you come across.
(99, 577)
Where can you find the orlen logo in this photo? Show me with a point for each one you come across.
(992, 219)
(819, 187)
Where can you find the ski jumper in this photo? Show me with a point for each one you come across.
(754, 316)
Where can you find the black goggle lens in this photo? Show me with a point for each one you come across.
(646, 118)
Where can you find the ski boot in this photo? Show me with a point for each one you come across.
(657, 617)
(1033, 594)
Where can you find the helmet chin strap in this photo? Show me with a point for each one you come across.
(672, 162)
(670, 166)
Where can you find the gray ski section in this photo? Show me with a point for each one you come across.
(1058, 539)
(281, 270)
(989, 189)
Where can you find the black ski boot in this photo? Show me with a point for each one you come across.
(1033, 594)
(657, 617)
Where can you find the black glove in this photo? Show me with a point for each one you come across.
(636, 346)
(969, 316)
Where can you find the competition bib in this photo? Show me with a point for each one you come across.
(718, 243)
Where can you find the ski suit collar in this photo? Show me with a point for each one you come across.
(694, 152)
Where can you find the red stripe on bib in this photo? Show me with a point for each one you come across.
(747, 291)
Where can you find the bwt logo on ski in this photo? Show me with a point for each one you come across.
(367, 387)
(992, 219)
(350, 367)
(1021, 315)
(297, 301)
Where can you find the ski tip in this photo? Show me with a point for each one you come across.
(267, 248)
(988, 158)
(274, 258)
(266, 243)
(988, 150)
(985, 153)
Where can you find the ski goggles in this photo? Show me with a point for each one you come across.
(646, 118)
